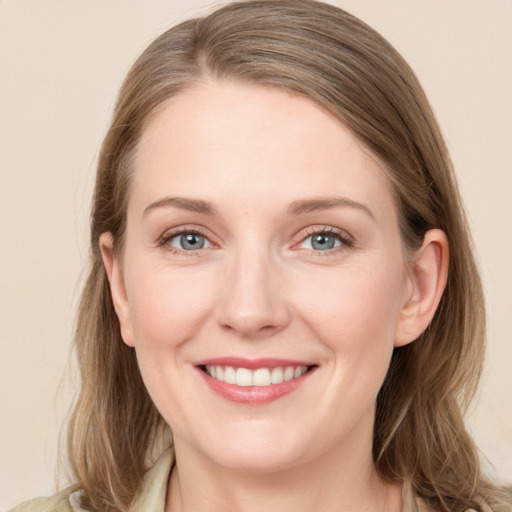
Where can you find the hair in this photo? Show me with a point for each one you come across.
(322, 53)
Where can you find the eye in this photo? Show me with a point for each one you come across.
(321, 242)
(188, 241)
(324, 240)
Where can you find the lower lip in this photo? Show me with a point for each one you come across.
(254, 395)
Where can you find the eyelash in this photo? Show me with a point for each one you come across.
(168, 236)
(345, 239)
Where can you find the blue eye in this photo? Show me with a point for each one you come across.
(322, 241)
(189, 241)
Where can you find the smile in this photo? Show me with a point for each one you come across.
(255, 382)
(259, 377)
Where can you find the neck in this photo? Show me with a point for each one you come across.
(342, 480)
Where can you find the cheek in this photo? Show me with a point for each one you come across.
(167, 306)
(354, 311)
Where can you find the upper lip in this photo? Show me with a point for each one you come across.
(252, 364)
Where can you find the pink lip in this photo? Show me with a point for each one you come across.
(252, 395)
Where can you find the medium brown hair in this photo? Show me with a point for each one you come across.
(322, 53)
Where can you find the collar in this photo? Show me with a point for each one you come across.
(154, 487)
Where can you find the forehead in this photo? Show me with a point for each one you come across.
(226, 142)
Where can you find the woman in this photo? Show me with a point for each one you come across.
(282, 274)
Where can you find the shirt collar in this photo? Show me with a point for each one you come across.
(154, 487)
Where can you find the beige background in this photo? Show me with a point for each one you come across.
(61, 63)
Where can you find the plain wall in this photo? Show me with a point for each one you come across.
(61, 63)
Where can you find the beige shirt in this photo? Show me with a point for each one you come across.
(154, 489)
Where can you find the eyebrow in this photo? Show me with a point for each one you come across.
(303, 206)
(299, 207)
(191, 205)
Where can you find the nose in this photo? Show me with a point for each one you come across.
(253, 303)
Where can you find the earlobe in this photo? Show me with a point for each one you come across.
(117, 286)
(428, 277)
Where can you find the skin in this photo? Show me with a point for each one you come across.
(258, 288)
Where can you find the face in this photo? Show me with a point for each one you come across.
(262, 280)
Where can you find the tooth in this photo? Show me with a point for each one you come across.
(243, 377)
(277, 376)
(288, 373)
(229, 375)
(261, 377)
(299, 371)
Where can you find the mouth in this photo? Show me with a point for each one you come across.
(254, 381)
(260, 377)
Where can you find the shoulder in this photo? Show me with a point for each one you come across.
(152, 496)
(57, 503)
(413, 503)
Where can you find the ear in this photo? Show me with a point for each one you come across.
(427, 276)
(117, 286)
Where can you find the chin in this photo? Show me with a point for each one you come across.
(262, 459)
(257, 450)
